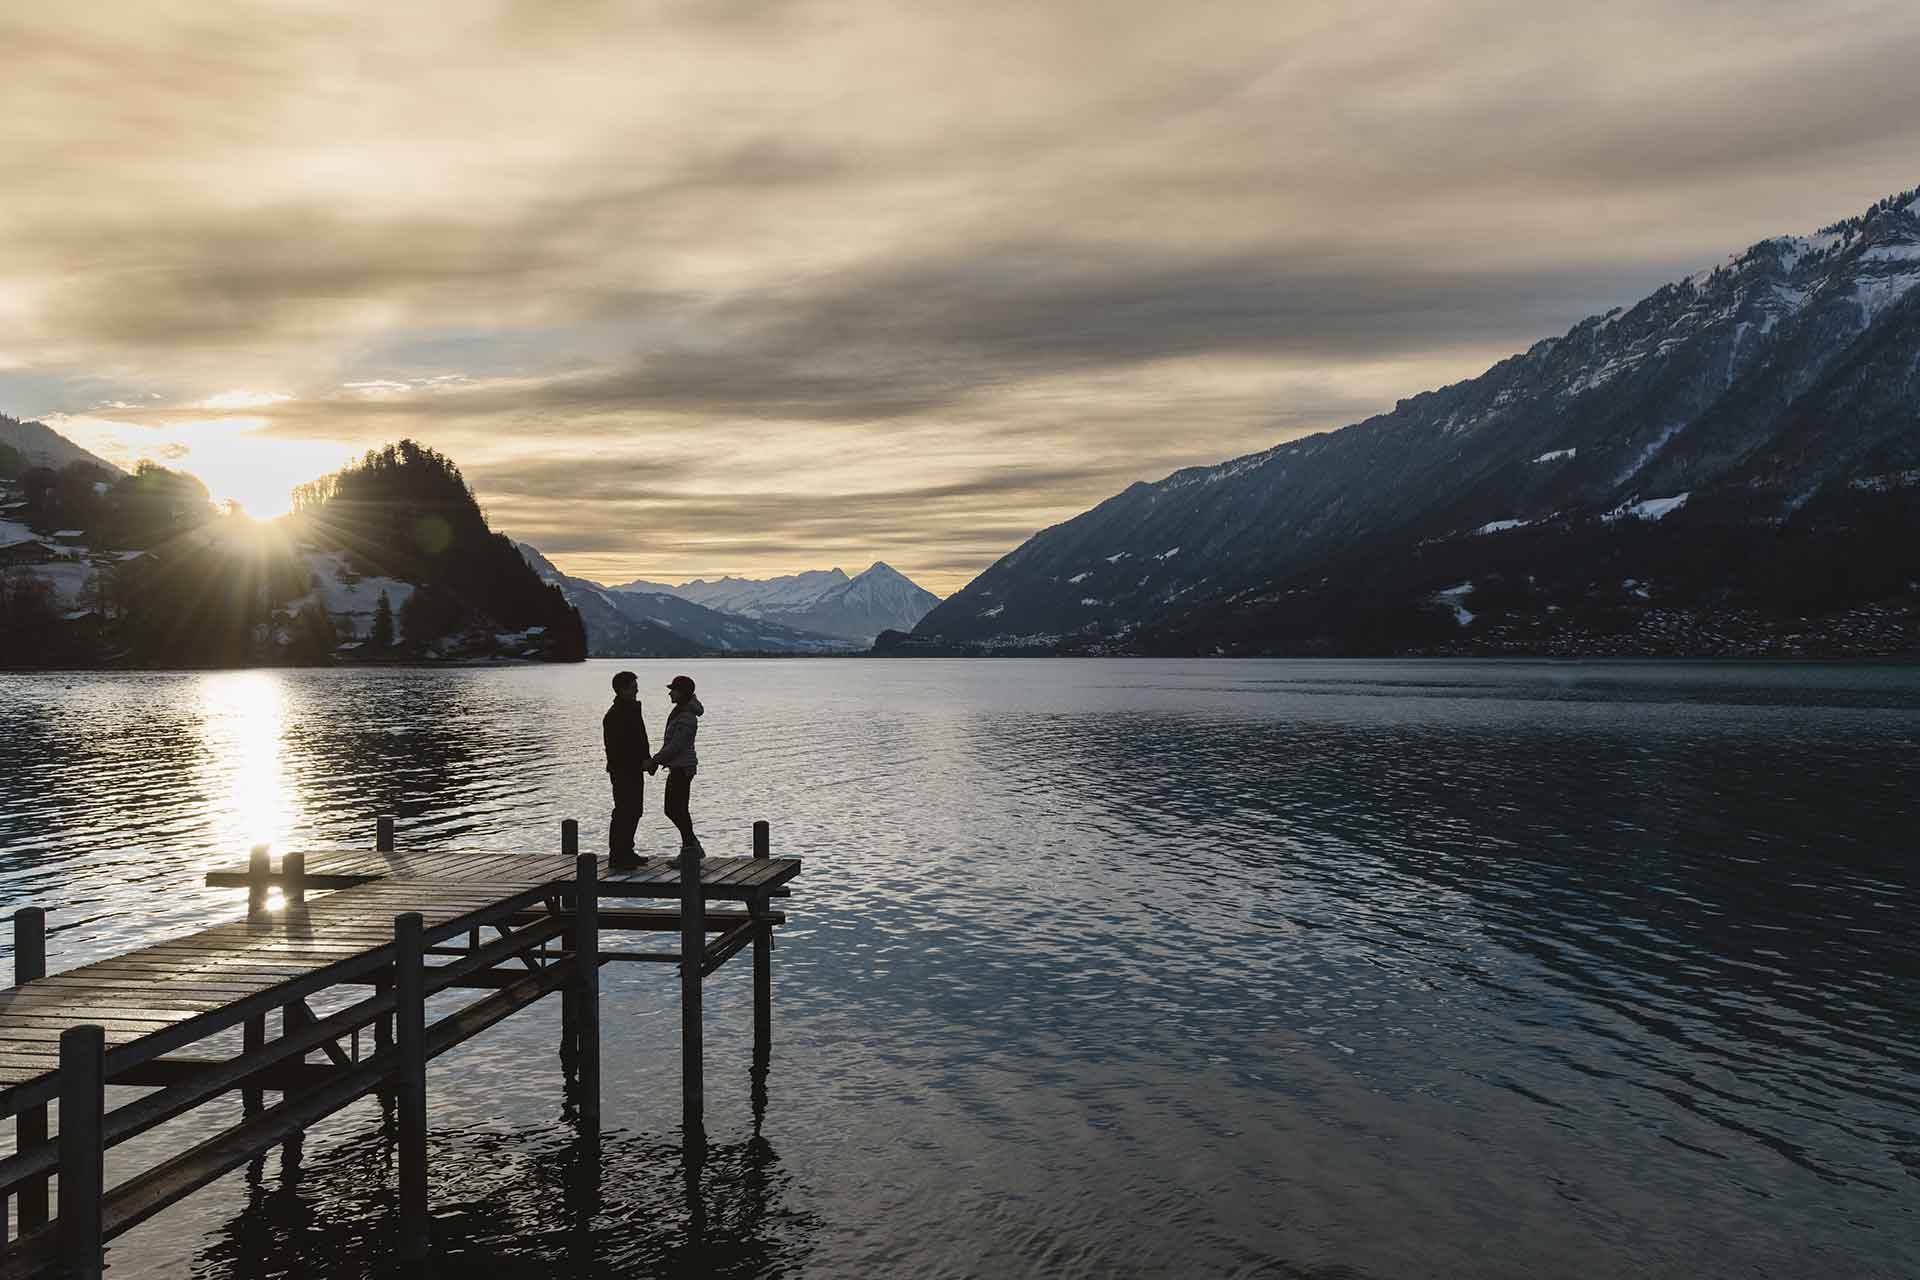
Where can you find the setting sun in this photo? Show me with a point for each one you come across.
(238, 459)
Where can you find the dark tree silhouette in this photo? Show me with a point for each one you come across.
(382, 635)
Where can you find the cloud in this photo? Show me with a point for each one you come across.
(836, 250)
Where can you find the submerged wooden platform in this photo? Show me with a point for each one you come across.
(514, 925)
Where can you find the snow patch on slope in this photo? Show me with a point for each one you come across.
(1651, 509)
(349, 600)
(1646, 455)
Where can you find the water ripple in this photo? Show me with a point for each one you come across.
(1248, 969)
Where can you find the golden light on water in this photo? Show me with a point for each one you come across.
(242, 723)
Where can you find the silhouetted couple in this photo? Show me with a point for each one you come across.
(630, 760)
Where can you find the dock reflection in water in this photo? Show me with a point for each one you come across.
(1309, 969)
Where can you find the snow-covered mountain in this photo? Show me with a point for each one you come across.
(825, 601)
(630, 621)
(750, 597)
(1742, 406)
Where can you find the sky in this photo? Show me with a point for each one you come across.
(699, 287)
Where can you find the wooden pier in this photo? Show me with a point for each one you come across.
(515, 926)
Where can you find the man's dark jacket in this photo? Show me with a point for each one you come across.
(625, 731)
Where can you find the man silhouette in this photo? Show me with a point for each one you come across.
(629, 761)
(677, 753)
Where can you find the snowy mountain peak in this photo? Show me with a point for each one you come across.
(825, 602)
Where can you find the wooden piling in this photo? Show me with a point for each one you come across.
(586, 988)
(254, 1030)
(293, 890)
(83, 1100)
(762, 984)
(30, 1126)
(762, 956)
(693, 948)
(293, 879)
(259, 879)
(569, 994)
(411, 1085)
(383, 835)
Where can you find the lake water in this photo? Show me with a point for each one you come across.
(1293, 969)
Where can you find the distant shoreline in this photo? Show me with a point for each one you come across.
(1857, 660)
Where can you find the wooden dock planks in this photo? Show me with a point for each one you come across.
(147, 999)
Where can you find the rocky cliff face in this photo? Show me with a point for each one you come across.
(1735, 395)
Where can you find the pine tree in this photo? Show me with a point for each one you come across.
(382, 637)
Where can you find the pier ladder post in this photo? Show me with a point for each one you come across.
(82, 1149)
(762, 957)
(586, 988)
(409, 948)
(383, 834)
(30, 1126)
(693, 954)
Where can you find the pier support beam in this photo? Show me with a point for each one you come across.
(293, 890)
(569, 995)
(254, 1031)
(693, 949)
(410, 1017)
(30, 1126)
(585, 988)
(383, 835)
(83, 1099)
(762, 957)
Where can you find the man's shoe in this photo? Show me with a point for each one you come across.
(623, 862)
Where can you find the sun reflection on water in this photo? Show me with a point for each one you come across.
(242, 723)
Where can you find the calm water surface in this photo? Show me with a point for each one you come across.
(1099, 968)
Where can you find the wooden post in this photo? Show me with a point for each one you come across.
(293, 879)
(762, 840)
(762, 983)
(293, 891)
(30, 1126)
(83, 1100)
(259, 872)
(693, 949)
(253, 1038)
(383, 835)
(586, 987)
(253, 1035)
(570, 994)
(416, 1241)
(383, 1025)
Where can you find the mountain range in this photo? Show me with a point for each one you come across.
(820, 611)
(1731, 465)
(824, 601)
